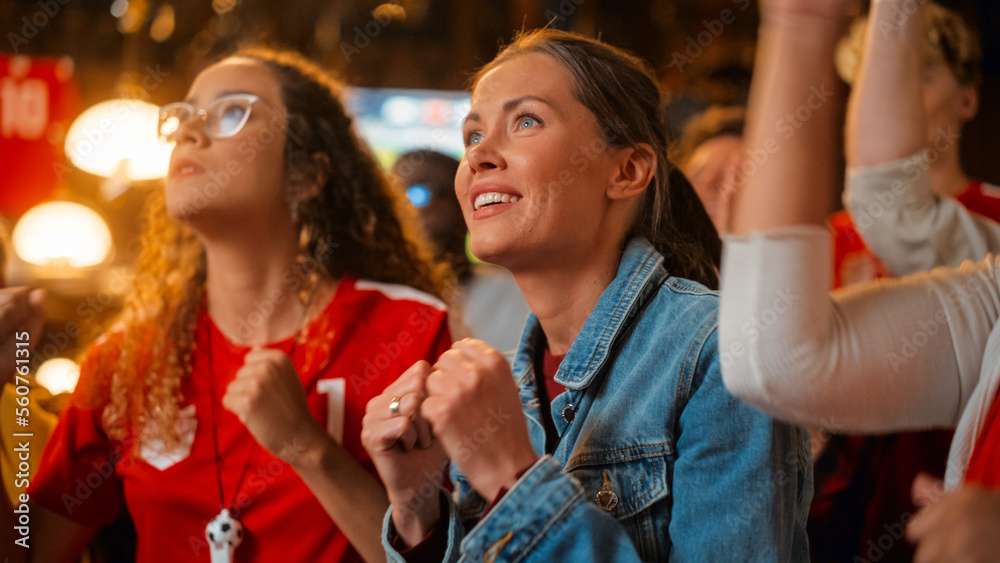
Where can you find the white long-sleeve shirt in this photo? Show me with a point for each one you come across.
(902, 354)
(907, 225)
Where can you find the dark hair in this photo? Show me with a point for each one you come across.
(374, 232)
(423, 156)
(716, 121)
(620, 91)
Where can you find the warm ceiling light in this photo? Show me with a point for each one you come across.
(62, 233)
(58, 375)
(390, 12)
(117, 138)
(163, 24)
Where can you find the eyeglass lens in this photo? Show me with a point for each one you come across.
(224, 118)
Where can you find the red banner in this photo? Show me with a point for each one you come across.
(39, 98)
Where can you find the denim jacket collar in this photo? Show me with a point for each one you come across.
(639, 274)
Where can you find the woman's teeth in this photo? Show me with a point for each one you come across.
(493, 197)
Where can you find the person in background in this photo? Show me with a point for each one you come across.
(610, 438)
(487, 305)
(882, 356)
(22, 316)
(907, 192)
(906, 98)
(709, 153)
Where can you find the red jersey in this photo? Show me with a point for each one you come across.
(854, 262)
(366, 337)
(984, 465)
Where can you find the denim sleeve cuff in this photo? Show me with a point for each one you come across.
(535, 507)
(455, 531)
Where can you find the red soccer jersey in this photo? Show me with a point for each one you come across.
(984, 465)
(854, 262)
(365, 338)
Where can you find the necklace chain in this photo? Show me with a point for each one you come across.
(215, 404)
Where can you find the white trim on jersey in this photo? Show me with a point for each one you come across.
(399, 292)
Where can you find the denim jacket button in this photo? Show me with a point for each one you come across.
(606, 498)
(569, 413)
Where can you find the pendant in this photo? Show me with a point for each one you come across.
(224, 535)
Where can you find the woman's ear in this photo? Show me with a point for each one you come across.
(315, 175)
(969, 104)
(636, 167)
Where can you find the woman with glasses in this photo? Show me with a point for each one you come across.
(278, 289)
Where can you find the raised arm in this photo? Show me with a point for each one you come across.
(791, 186)
(885, 118)
(899, 355)
(889, 190)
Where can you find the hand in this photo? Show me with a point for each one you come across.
(409, 460)
(961, 526)
(926, 489)
(268, 398)
(474, 409)
(21, 311)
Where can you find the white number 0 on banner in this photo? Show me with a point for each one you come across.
(24, 108)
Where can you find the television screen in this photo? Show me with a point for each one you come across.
(394, 121)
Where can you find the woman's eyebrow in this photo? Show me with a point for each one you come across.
(510, 105)
(219, 95)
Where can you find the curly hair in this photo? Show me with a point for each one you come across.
(948, 38)
(620, 91)
(357, 225)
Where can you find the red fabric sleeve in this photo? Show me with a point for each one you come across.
(76, 476)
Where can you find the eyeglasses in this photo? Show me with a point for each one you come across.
(223, 118)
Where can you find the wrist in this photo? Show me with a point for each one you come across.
(309, 450)
(805, 24)
(414, 520)
(505, 479)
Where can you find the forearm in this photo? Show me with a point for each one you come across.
(353, 498)
(886, 356)
(885, 119)
(788, 170)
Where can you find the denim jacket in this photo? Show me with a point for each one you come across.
(656, 460)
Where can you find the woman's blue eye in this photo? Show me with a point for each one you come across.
(526, 122)
(474, 138)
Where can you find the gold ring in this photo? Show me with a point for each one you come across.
(394, 406)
